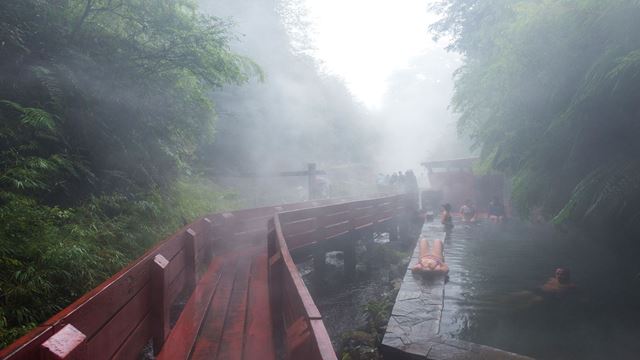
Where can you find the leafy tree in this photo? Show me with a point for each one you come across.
(549, 92)
(119, 85)
(298, 114)
(103, 106)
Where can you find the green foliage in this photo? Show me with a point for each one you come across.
(549, 92)
(50, 256)
(111, 93)
(103, 106)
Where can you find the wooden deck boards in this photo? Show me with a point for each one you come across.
(228, 316)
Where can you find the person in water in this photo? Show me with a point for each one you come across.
(496, 210)
(560, 283)
(468, 211)
(556, 288)
(431, 262)
(446, 219)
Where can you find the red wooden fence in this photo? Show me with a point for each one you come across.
(122, 315)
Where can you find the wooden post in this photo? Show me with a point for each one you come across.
(208, 238)
(349, 251)
(404, 224)
(313, 193)
(191, 254)
(68, 343)
(393, 229)
(160, 303)
(319, 254)
(228, 229)
(350, 259)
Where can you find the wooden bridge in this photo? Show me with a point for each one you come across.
(237, 277)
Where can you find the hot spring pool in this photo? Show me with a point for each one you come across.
(490, 262)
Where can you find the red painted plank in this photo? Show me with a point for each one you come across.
(300, 240)
(336, 230)
(208, 341)
(361, 222)
(134, 344)
(176, 266)
(180, 342)
(177, 286)
(259, 325)
(28, 346)
(233, 334)
(255, 223)
(114, 333)
(300, 340)
(322, 340)
(252, 237)
(298, 227)
(291, 216)
(334, 217)
(292, 271)
(89, 313)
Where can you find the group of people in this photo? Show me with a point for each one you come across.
(468, 213)
(431, 259)
(402, 182)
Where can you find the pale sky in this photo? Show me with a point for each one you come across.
(364, 41)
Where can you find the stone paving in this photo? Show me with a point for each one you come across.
(414, 325)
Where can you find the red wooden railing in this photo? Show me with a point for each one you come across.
(300, 325)
(122, 315)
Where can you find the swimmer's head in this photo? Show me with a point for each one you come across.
(446, 206)
(563, 275)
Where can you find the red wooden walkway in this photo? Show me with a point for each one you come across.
(246, 299)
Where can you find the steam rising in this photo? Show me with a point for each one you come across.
(309, 108)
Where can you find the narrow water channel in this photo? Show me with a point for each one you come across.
(492, 264)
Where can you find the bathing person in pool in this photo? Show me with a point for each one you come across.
(468, 211)
(560, 283)
(556, 288)
(496, 210)
(447, 219)
(431, 262)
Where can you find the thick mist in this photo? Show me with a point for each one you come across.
(415, 117)
(302, 113)
(297, 115)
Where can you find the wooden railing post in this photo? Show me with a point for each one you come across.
(350, 260)
(393, 229)
(349, 251)
(228, 229)
(68, 343)
(208, 239)
(160, 301)
(191, 253)
(404, 221)
(319, 254)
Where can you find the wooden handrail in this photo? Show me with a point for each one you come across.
(305, 333)
(117, 313)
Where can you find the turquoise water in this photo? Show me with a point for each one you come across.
(489, 263)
